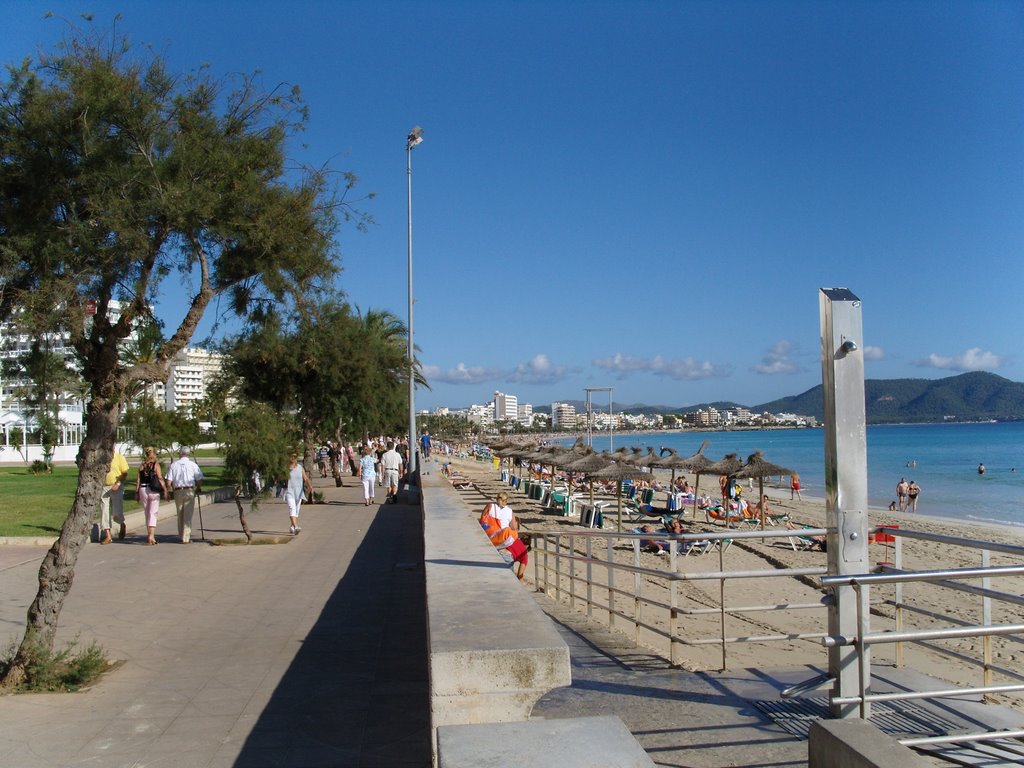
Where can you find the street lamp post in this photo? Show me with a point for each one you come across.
(415, 137)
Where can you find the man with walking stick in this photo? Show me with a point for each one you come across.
(186, 479)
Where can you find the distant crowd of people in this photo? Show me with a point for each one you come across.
(377, 462)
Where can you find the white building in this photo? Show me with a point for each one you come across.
(563, 416)
(506, 407)
(192, 370)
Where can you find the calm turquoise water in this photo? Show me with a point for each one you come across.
(947, 457)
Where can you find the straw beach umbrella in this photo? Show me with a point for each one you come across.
(588, 464)
(618, 472)
(756, 466)
(674, 461)
(727, 465)
(698, 464)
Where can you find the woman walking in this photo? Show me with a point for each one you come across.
(298, 481)
(149, 488)
(367, 474)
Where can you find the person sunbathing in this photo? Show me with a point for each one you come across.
(661, 546)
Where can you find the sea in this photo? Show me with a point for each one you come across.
(942, 458)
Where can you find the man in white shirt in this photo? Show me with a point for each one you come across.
(186, 479)
(391, 463)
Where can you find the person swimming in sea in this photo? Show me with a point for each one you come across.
(981, 469)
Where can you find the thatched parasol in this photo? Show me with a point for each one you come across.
(563, 455)
(649, 460)
(674, 461)
(589, 463)
(756, 466)
(727, 465)
(618, 472)
(698, 464)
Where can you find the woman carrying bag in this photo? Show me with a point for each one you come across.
(149, 488)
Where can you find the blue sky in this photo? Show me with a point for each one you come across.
(648, 195)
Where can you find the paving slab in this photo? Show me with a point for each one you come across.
(307, 652)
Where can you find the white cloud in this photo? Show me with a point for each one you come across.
(538, 370)
(971, 360)
(778, 360)
(680, 369)
(462, 374)
(874, 353)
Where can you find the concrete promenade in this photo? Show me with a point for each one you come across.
(310, 652)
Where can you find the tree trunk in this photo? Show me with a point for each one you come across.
(57, 571)
(241, 515)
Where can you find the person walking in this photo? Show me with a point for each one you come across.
(298, 481)
(391, 464)
(794, 487)
(186, 480)
(112, 498)
(149, 489)
(367, 474)
(901, 493)
(913, 490)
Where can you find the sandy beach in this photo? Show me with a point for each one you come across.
(756, 554)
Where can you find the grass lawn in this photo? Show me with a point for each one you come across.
(37, 505)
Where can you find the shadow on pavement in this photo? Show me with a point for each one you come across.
(356, 693)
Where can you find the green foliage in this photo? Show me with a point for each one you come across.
(160, 428)
(341, 372)
(115, 174)
(64, 670)
(445, 425)
(256, 439)
(976, 396)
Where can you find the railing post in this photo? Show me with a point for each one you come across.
(547, 564)
(590, 577)
(558, 567)
(898, 561)
(721, 598)
(611, 581)
(638, 606)
(986, 619)
(863, 593)
(572, 571)
(846, 484)
(673, 611)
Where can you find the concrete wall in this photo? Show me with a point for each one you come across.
(493, 652)
(855, 743)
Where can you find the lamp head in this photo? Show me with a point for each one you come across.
(415, 137)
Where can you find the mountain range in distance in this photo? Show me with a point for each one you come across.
(975, 396)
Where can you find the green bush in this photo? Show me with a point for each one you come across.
(62, 670)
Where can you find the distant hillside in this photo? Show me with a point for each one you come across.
(975, 396)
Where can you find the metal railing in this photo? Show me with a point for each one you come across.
(565, 563)
(949, 578)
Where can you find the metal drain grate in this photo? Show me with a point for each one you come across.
(898, 719)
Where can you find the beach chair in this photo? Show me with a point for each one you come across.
(802, 543)
(592, 515)
(722, 544)
(638, 513)
(731, 518)
(697, 548)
